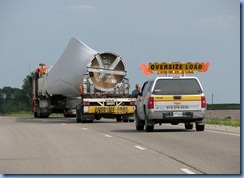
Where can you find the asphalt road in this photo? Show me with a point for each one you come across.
(62, 146)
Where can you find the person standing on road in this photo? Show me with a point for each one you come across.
(136, 91)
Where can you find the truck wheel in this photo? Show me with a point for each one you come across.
(35, 114)
(149, 128)
(38, 113)
(139, 123)
(125, 119)
(118, 118)
(188, 125)
(78, 113)
(149, 123)
(200, 126)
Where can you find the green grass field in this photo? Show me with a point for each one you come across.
(225, 122)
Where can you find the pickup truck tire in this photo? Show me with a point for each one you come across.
(200, 126)
(148, 124)
(139, 123)
(188, 126)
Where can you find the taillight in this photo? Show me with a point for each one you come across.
(204, 102)
(86, 103)
(150, 103)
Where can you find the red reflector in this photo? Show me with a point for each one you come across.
(150, 103)
(86, 103)
(204, 104)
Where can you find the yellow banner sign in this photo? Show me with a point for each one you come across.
(111, 109)
(176, 67)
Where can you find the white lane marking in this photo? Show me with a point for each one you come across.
(63, 124)
(223, 133)
(109, 136)
(140, 148)
(84, 128)
(187, 171)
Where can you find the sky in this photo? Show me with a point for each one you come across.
(140, 31)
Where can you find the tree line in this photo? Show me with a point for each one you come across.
(16, 99)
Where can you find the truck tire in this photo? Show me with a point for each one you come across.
(188, 126)
(125, 119)
(200, 126)
(149, 128)
(118, 118)
(149, 124)
(38, 113)
(139, 123)
(78, 113)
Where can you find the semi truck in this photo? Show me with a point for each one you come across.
(84, 83)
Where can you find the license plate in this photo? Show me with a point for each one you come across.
(177, 114)
(110, 103)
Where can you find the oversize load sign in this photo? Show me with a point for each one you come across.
(167, 67)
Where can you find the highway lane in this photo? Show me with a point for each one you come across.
(61, 146)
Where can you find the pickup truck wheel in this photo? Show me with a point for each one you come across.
(200, 127)
(149, 124)
(139, 123)
(188, 125)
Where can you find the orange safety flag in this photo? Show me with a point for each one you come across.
(145, 69)
(205, 67)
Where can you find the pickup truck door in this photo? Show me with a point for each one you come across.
(140, 101)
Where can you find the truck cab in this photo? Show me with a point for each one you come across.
(171, 99)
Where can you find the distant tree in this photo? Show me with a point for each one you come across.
(27, 90)
(16, 99)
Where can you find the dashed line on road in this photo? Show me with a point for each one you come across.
(109, 136)
(140, 148)
(84, 128)
(187, 171)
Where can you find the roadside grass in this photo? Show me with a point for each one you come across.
(16, 114)
(225, 122)
(27, 113)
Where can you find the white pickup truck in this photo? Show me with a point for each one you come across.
(171, 100)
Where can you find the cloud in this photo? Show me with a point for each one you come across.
(218, 22)
(80, 9)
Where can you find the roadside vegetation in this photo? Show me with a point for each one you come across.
(225, 122)
(223, 106)
(14, 100)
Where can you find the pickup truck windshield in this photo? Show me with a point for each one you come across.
(177, 87)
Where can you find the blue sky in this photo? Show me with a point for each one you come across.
(141, 31)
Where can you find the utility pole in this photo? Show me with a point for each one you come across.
(212, 98)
